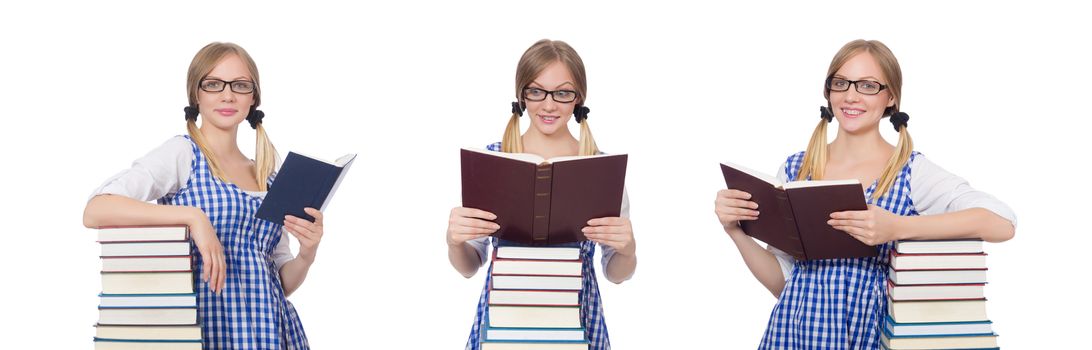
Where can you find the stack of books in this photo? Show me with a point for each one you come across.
(937, 298)
(534, 300)
(147, 300)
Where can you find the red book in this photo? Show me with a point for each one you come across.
(793, 216)
(542, 201)
(936, 291)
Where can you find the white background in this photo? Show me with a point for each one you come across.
(997, 94)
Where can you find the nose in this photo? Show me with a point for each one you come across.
(549, 104)
(227, 95)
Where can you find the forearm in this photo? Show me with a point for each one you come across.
(110, 210)
(464, 259)
(970, 223)
(620, 267)
(295, 271)
(762, 263)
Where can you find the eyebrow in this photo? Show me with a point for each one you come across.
(558, 86)
(241, 77)
(867, 77)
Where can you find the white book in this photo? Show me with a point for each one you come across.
(537, 267)
(141, 332)
(148, 316)
(539, 253)
(146, 249)
(937, 291)
(536, 334)
(534, 317)
(147, 300)
(513, 345)
(115, 344)
(534, 297)
(906, 277)
(142, 233)
(938, 261)
(147, 264)
(147, 282)
(939, 247)
(537, 282)
(938, 311)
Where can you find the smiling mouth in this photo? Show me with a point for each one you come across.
(852, 112)
(549, 119)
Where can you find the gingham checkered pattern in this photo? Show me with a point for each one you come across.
(837, 303)
(591, 307)
(251, 312)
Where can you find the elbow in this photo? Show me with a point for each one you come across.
(1004, 233)
(90, 219)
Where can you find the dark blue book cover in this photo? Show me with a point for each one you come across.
(302, 182)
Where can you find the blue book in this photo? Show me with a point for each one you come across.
(303, 182)
(937, 328)
(963, 341)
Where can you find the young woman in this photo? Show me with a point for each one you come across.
(551, 87)
(244, 267)
(840, 303)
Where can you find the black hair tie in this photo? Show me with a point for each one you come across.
(517, 109)
(255, 117)
(826, 114)
(899, 119)
(191, 113)
(581, 113)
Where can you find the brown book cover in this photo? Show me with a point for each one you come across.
(542, 201)
(793, 216)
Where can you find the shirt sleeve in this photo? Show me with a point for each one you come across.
(162, 171)
(786, 261)
(481, 245)
(936, 191)
(282, 253)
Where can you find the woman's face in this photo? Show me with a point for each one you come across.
(227, 108)
(548, 115)
(857, 112)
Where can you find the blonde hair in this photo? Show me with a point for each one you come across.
(534, 61)
(815, 157)
(203, 63)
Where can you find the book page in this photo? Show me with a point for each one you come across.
(523, 157)
(758, 174)
(819, 183)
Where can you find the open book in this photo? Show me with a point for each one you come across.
(793, 216)
(542, 201)
(303, 182)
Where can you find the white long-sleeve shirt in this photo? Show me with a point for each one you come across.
(164, 171)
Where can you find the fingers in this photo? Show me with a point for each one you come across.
(850, 215)
(473, 213)
(733, 194)
(315, 213)
(606, 229)
(853, 223)
(222, 272)
(860, 234)
(608, 221)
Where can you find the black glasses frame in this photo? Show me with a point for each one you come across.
(226, 84)
(830, 80)
(552, 94)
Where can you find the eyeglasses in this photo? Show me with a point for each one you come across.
(559, 96)
(237, 86)
(867, 87)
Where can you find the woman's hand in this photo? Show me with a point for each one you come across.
(464, 224)
(733, 206)
(308, 233)
(214, 266)
(873, 227)
(614, 232)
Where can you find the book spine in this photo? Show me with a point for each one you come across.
(540, 231)
(790, 223)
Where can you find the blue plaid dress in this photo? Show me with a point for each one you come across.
(251, 312)
(837, 303)
(591, 307)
